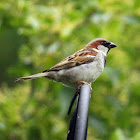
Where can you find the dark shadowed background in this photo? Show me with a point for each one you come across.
(35, 35)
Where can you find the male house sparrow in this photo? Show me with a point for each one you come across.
(82, 67)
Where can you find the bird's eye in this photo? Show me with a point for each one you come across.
(106, 44)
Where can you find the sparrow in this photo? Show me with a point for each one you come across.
(82, 67)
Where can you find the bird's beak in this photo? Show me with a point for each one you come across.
(112, 45)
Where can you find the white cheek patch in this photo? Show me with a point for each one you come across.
(103, 49)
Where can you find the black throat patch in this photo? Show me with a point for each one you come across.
(104, 61)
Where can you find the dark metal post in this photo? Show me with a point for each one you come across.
(82, 114)
(79, 121)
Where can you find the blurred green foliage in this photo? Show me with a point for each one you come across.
(35, 35)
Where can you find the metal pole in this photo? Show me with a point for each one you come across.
(82, 114)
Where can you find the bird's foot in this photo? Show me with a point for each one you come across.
(86, 83)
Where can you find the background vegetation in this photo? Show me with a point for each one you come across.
(35, 35)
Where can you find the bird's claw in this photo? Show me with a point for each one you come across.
(86, 83)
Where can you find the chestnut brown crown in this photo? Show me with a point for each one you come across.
(100, 41)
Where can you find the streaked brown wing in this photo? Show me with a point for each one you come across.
(81, 57)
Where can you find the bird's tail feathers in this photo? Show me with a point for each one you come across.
(32, 76)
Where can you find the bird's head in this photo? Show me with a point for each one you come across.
(101, 44)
